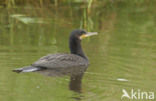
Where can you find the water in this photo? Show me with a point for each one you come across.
(122, 56)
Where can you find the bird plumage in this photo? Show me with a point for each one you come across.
(60, 61)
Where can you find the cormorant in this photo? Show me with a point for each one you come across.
(63, 61)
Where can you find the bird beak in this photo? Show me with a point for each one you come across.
(88, 34)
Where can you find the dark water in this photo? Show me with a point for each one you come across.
(122, 56)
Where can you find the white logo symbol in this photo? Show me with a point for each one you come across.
(125, 94)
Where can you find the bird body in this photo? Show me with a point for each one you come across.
(60, 60)
(55, 62)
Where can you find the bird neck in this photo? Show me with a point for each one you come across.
(75, 48)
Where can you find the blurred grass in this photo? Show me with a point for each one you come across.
(85, 14)
(89, 3)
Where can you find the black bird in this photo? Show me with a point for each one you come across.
(63, 61)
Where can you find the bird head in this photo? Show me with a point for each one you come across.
(81, 34)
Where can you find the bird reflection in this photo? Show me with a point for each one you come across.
(75, 73)
(75, 82)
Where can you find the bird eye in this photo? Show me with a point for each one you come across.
(83, 32)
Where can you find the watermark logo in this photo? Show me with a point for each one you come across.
(137, 95)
